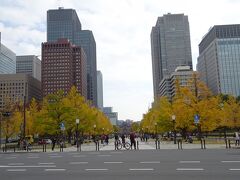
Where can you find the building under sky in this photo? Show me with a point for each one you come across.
(219, 59)
(170, 45)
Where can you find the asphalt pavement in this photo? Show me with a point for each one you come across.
(133, 164)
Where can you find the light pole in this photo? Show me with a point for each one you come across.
(94, 127)
(174, 122)
(155, 130)
(77, 123)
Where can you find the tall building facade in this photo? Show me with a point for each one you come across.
(63, 66)
(64, 23)
(7, 60)
(219, 59)
(170, 46)
(16, 86)
(29, 64)
(112, 116)
(100, 90)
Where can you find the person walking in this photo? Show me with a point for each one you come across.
(132, 140)
(53, 143)
(123, 140)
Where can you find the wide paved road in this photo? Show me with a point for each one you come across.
(114, 165)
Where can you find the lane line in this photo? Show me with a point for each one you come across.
(142, 169)
(189, 161)
(234, 169)
(230, 161)
(55, 156)
(16, 170)
(11, 157)
(40, 166)
(78, 163)
(15, 164)
(73, 153)
(33, 157)
(96, 169)
(111, 162)
(80, 156)
(150, 162)
(46, 163)
(55, 169)
(189, 169)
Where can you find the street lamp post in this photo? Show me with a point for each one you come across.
(174, 122)
(155, 130)
(77, 123)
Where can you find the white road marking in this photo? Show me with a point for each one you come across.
(189, 161)
(150, 162)
(33, 157)
(230, 161)
(55, 169)
(142, 169)
(113, 162)
(40, 166)
(189, 169)
(78, 163)
(46, 163)
(16, 170)
(104, 155)
(234, 169)
(55, 156)
(96, 169)
(79, 156)
(15, 164)
(11, 157)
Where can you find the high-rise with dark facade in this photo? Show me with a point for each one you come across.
(63, 66)
(219, 59)
(64, 23)
(170, 46)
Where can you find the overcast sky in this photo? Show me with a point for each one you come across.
(122, 33)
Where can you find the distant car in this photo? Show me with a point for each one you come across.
(45, 141)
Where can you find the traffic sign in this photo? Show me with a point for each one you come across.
(62, 126)
(196, 118)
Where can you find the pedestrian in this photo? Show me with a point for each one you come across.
(53, 143)
(132, 140)
(123, 139)
(107, 139)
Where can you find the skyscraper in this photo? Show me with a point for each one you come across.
(63, 66)
(100, 90)
(29, 64)
(219, 59)
(64, 23)
(7, 60)
(170, 46)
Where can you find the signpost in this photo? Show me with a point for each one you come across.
(196, 119)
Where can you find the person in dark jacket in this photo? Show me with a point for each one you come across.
(132, 140)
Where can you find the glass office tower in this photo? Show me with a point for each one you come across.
(219, 59)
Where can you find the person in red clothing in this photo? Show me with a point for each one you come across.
(132, 140)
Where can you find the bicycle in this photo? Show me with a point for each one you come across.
(121, 145)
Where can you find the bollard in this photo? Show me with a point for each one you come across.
(137, 145)
(204, 144)
(229, 143)
(201, 143)
(98, 145)
(158, 144)
(14, 149)
(115, 145)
